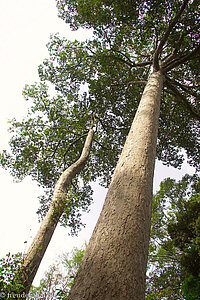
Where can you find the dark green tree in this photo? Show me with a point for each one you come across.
(174, 259)
(185, 234)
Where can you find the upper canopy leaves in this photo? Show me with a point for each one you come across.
(133, 37)
(113, 86)
(142, 23)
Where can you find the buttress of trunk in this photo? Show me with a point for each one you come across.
(42, 239)
(114, 265)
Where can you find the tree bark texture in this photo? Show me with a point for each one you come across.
(43, 237)
(114, 265)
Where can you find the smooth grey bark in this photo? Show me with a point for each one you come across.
(114, 265)
(43, 237)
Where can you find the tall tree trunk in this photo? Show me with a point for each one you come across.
(43, 237)
(114, 265)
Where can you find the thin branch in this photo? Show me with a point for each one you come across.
(168, 57)
(178, 61)
(88, 48)
(128, 61)
(185, 88)
(134, 64)
(123, 54)
(156, 256)
(156, 41)
(143, 64)
(54, 152)
(81, 136)
(130, 83)
(179, 97)
(74, 142)
(106, 129)
(166, 35)
(144, 55)
(130, 64)
(102, 146)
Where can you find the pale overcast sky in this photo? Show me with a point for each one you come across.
(25, 27)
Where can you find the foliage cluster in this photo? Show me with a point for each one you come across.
(174, 257)
(58, 280)
(9, 266)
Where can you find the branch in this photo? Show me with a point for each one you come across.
(185, 88)
(169, 57)
(128, 61)
(130, 82)
(182, 99)
(156, 256)
(166, 35)
(80, 137)
(123, 54)
(186, 57)
(88, 48)
(106, 129)
(156, 34)
(133, 64)
(102, 146)
(56, 148)
(74, 142)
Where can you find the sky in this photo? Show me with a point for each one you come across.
(25, 28)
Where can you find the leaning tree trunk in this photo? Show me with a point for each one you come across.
(42, 239)
(114, 265)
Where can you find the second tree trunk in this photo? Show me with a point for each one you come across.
(43, 237)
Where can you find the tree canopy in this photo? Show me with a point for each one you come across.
(133, 36)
